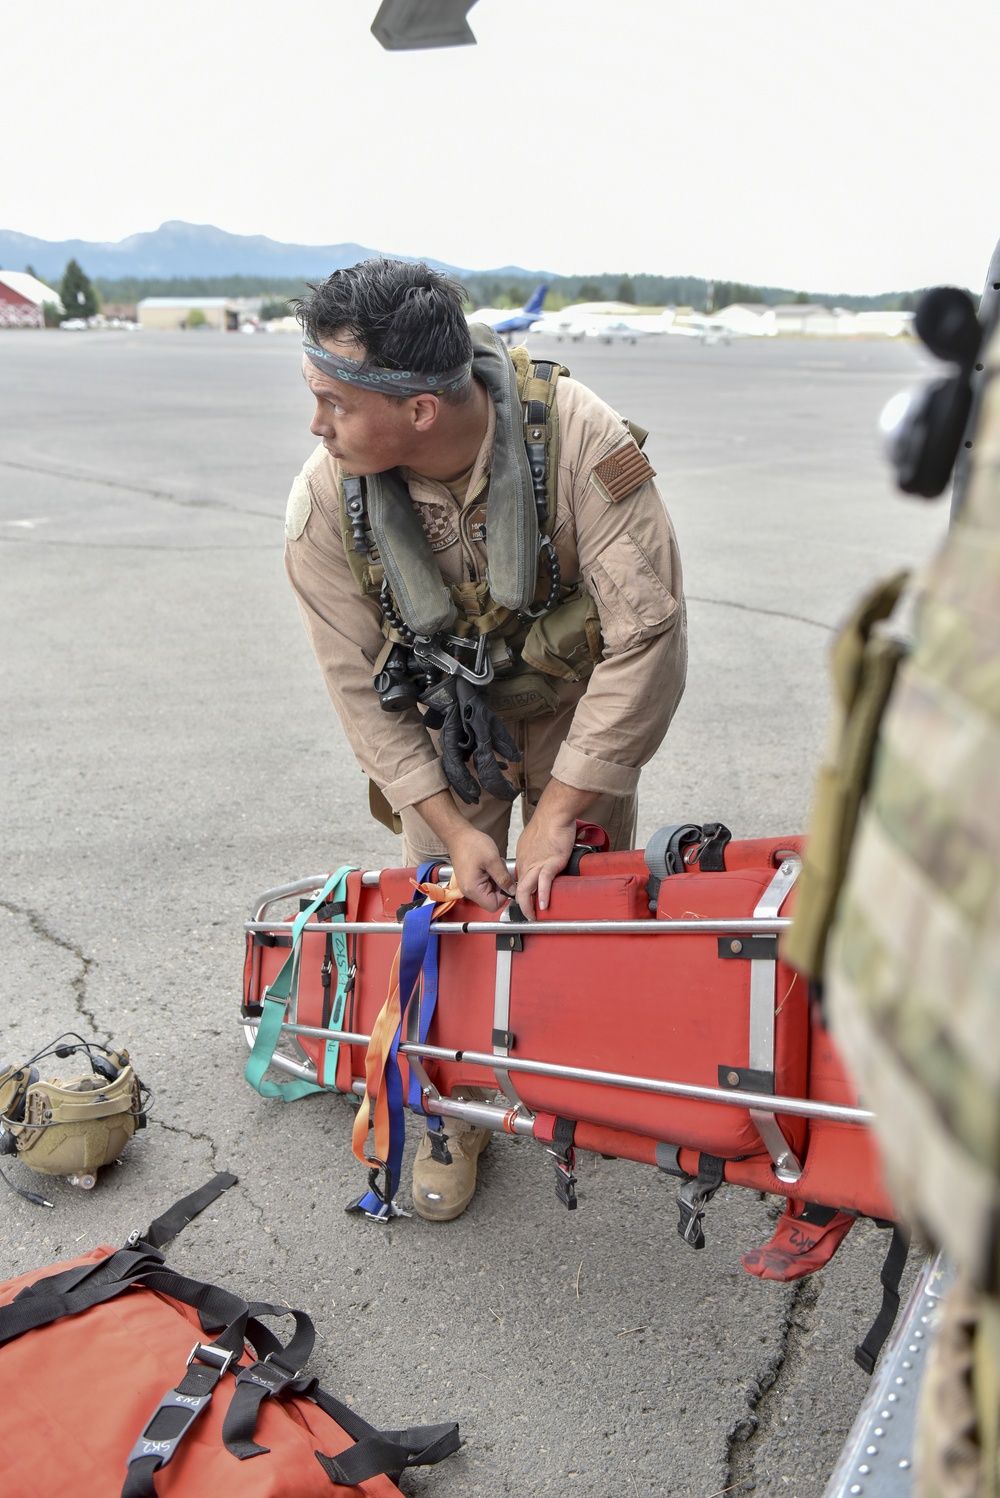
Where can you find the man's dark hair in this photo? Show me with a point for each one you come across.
(405, 316)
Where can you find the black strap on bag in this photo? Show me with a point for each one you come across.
(233, 1323)
(867, 1351)
(380, 1451)
(166, 1227)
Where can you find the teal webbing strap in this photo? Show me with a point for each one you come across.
(331, 1048)
(276, 997)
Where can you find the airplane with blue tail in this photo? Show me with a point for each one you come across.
(507, 321)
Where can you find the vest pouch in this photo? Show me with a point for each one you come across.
(382, 811)
(863, 667)
(526, 694)
(567, 641)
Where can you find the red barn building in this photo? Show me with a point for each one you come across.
(21, 298)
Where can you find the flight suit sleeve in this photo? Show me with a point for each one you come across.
(630, 565)
(344, 630)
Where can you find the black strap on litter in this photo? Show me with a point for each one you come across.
(866, 1353)
(665, 855)
(170, 1223)
(711, 856)
(46, 1302)
(668, 1159)
(695, 1195)
(71, 1291)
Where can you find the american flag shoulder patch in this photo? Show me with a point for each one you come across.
(622, 471)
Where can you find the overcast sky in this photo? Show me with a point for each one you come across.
(848, 146)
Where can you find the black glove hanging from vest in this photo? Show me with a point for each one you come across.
(471, 729)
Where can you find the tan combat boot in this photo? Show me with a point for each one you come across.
(441, 1192)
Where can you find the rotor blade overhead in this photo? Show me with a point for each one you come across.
(404, 25)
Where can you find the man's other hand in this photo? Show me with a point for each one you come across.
(543, 851)
(480, 873)
(545, 845)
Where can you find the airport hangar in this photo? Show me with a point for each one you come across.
(225, 314)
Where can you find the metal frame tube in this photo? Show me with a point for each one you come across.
(747, 927)
(797, 1107)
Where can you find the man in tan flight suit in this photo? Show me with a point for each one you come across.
(389, 362)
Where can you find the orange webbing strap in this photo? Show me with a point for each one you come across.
(382, 1110)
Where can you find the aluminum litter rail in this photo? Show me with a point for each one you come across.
(650, 927)
(797, 1107)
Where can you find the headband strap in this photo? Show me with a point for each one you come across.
(365, 376)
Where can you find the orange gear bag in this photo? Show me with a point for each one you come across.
(120, 1375)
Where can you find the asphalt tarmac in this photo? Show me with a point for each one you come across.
(169, 752)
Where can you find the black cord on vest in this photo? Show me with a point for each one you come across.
(392, 618)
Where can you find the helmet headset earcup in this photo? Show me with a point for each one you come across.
(14, 1085)
(924, 432)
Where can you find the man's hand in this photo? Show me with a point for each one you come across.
(544, 847)
(480, 873)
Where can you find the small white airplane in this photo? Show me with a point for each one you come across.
(604, 321)
(703, 326)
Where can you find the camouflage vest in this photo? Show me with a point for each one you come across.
(913, 964)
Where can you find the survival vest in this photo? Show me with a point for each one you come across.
(539, 627)
(385, 541)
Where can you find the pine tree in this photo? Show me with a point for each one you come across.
(626, 291)
(77, 293)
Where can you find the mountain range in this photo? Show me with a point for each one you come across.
(180, 249)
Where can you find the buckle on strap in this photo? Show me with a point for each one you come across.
(377, 1203)
(439, 1146)
(564, 1162)
(218, 1358)
(176, 1412)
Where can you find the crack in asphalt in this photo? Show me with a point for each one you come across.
(750, 608)
(764, 1395)
(255, 1206)
(164, 495)
(79, 983)
(190, 1134)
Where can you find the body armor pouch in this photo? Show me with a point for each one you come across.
(567, 641)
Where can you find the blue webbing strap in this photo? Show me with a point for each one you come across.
(276, 997)
(417, 947)
(428, 1003)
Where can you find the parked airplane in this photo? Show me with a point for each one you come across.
(604, 321)
(506, 321)
(702, 325)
